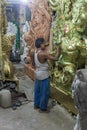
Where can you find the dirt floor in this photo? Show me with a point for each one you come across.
(26, 118)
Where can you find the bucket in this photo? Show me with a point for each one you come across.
(5, 98)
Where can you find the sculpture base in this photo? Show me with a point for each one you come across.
(64, 99)
(30, 71)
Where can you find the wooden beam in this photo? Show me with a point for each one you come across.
(63, 99)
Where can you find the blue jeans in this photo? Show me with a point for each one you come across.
(42, 93)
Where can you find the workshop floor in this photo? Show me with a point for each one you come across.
(26, 118)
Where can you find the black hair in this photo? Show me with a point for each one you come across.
(39, 41)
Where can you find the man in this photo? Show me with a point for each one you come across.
(42, 82)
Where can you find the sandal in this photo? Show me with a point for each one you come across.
(44, 111)
(36, 107)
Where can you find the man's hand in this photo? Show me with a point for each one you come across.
(58, 49)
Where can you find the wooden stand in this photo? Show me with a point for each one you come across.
(63, 99)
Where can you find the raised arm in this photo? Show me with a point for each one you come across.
(50, 57)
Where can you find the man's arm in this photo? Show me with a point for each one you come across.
(50, 57)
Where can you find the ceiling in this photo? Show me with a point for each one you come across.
(18, 1)
(14, 1)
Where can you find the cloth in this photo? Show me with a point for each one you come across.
(42, 70)
(79, 91)
(77, 125)
(41, 93)
(81, 122)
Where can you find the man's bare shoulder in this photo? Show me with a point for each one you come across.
(43, 53)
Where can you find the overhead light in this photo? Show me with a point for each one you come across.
(24, 1)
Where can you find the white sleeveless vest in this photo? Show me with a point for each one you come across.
(42, 69)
